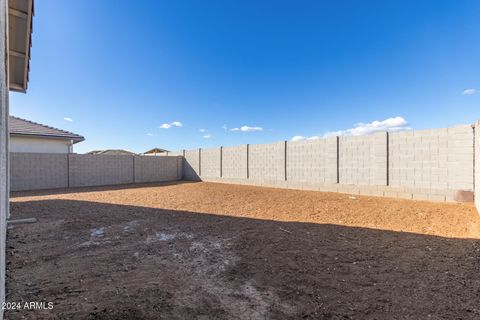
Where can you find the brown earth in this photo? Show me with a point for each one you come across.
(215, 251)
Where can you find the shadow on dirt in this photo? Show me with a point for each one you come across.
(104, 261)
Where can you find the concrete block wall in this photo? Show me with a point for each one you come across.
(99, 170)
(174, 154)
(191, 165)
(435, 164)
(211, 162)
(179, 156)
(156, 169)
(179, 167)
(33, 171)
(312, 160)
(363, 159)
(234, 162)
(266, 162)
(432, 159)
(477, 165)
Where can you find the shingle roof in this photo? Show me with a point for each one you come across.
(18, 126)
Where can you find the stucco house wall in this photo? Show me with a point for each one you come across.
(39, 145)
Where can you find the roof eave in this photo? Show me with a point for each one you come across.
(20, 15)
(17, 88)
(48, 136)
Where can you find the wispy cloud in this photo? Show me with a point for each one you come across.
(224, 127)
(207, 136)
(298, 138)
(172, 124)
(360, 129)
(68, 119)
(150, 134)
(201, 130)
(469, 92)
(247, 129)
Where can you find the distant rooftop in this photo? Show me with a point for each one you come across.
(22, 127)
(156, 150)
(111, 152)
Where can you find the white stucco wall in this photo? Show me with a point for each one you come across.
(4, 207)
(39, 145)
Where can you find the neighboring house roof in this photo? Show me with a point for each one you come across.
(20, 13)
(155, 150)
(111, 152)
(22, 127)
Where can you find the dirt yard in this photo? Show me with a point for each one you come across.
(215, 251)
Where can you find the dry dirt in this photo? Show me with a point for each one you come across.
(216, 251)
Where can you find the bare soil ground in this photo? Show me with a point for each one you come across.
(216, 251)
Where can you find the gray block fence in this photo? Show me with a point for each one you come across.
(476, 183)
(35, 171)
(435, 164)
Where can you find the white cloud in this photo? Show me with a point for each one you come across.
(150, 134)
(469, 92)
(169, 125)
(360, 129)
(207, 136)
(201, 130)
(224, 127)
(299, 138)
(68, 119)
(247, 129)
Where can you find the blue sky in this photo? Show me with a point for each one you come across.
(279, 69)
